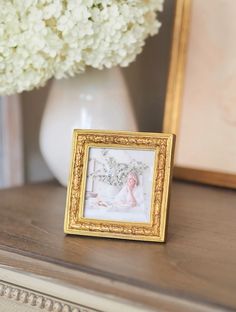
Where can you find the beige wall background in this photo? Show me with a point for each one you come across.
(146, 79)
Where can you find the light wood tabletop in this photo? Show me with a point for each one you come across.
(195, 269)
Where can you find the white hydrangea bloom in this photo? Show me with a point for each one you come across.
(40, 39)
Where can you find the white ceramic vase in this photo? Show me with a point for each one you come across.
(93, 100)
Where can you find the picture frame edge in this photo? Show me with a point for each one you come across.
(203, 176)
(177, 64)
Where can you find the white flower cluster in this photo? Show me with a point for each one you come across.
(40, 39)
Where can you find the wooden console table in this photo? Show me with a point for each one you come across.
(41, 269)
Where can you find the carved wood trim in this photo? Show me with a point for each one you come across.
(38, 300)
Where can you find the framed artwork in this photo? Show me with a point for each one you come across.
(119, 184)
(201, 100)
(11, 142)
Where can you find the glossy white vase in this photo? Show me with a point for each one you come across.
(93, 100)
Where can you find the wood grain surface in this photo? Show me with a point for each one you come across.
(197, 265)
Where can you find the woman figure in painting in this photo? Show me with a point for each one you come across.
(131, 195)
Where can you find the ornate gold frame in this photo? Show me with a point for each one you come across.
(162, 144)
(174, 94)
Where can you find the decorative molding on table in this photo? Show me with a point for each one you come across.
(84, 297)
(38, 300)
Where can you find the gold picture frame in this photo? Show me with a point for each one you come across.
(158, 147)
(183, 44)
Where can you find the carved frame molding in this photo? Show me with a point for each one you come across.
(162, 144)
